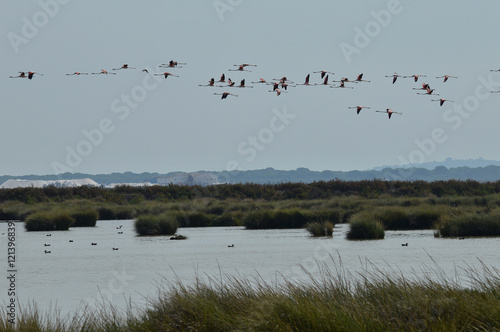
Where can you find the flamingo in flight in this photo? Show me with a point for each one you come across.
(425, 86)
(389, 112)
(494, 69)
(394, 77)
(242, 67)
(415, 77)
(342, 85)
(441, 101)
(358, 108)
(225, 94)
(307, 80)
(325, 81)
(210, 83)
(429, 92)
(222, 78)
(276, 86)
(343, 79)
(278, 91)
(285, 85)
(125, 66)
(261, 80)
(77, 73)
(173, 64)
(359, 78)
(323, 73)
(498, 91)
(283, 79)
(104, 72)
(242, 84)
(166, 74)
(31, 74)
(245, 65)
(22, 74)
(446, 77)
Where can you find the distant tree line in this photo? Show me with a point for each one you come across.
(314, 190)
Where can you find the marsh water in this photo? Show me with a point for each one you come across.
(76, 273)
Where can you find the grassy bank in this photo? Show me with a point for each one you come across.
(392, 211)
(336, 301)
(462, 224)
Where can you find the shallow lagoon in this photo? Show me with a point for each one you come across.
(76, 274)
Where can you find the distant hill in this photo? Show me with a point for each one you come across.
(448, 163)
(270, 175)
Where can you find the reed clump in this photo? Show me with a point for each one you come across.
(48, 221)
(275, 219)
(116, 212)
(406, 218)
(15, 210)
(84, 217)
(318, 229)
(364, 226)
(164, 224)
(470, 224)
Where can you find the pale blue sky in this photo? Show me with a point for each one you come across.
(178, 126)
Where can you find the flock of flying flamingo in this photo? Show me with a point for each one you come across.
(280, 85)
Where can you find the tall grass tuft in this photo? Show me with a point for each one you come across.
(363, 226)
(275, 219)
(48, 221)
(194, 219)
(404, 218)
(84, 218)
(318, 229)
(164, 224)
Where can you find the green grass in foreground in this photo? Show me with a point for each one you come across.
(336, 301)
